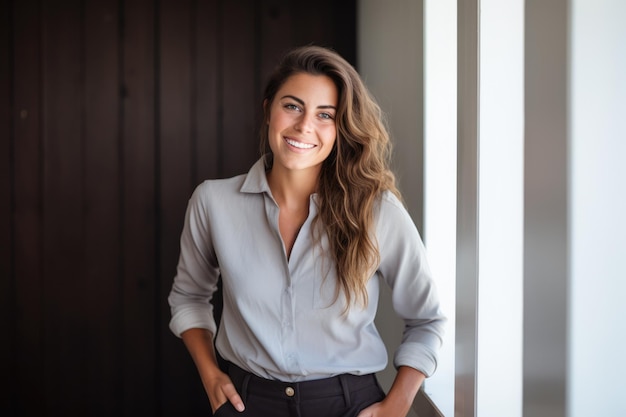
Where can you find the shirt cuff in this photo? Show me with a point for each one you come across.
(192, 319)
(417, 356)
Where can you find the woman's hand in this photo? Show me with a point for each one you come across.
(218, 386)
(398, 401)
(386, 408)
(220, 389)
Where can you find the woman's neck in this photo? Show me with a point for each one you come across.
(292, 189)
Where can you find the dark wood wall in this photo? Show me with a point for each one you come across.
(111, 112)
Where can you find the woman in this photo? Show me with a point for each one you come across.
(302, 243)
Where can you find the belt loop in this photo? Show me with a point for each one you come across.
(244, 387)
(346, 389)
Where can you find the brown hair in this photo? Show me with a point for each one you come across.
(355, 173)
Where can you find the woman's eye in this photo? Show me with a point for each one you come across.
(292, 107)
(326, 116)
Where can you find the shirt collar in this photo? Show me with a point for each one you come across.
(256, 180)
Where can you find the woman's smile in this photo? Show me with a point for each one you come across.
(298, 144)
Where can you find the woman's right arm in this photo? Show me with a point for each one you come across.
(217, 384)
(194, 285)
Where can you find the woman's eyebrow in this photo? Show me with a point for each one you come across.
(299, 100)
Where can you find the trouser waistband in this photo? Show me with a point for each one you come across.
(248, 383)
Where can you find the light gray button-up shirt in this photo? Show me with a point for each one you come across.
(279, 318)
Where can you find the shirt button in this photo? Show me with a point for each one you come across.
(290, 391)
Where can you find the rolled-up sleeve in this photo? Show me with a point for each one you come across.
(405, 269)
(197, 272)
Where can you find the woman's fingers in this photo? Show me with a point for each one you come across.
(233, 396)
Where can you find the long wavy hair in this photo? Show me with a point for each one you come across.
(356, 172)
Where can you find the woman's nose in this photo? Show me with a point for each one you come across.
(304, 123)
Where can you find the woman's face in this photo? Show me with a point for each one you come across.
(302, 129)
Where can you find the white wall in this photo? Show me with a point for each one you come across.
(568, 258)
(389, 51)
(440, 38)
(500, 201)
(597, 201)
(490, 198)
(574, 330)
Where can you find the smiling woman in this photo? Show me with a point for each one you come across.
(320, 226)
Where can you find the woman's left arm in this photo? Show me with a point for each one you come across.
(400, 397)
(405, 268)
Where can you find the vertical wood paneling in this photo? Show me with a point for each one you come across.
(110, 114)
(176, 164)
(175, 124)
(275, 31)
(207, 128)
(239, 87)
(314, 24)
(66, 322)
(101, 208)
(336, 30)
(139, 211)
(7, 368)
(208, 123)
(28, 295)
(343, 38)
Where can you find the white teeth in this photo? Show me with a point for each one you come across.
(299, 144)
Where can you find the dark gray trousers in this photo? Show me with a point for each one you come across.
(340, 396)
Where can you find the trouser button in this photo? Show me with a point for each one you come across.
(289, 391)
